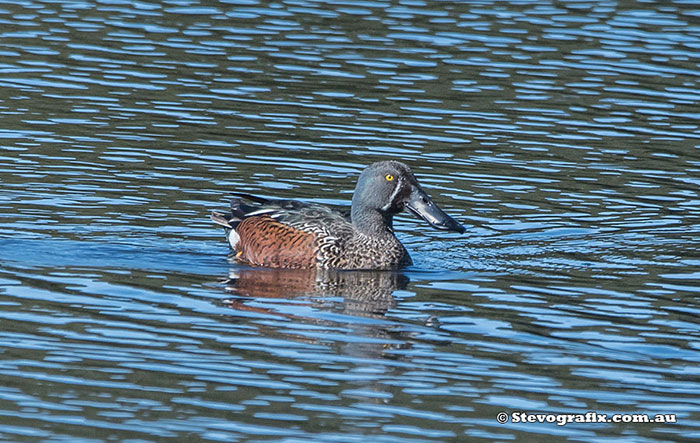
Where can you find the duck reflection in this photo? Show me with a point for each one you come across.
(346, 308)
(364, 293)
(343, 311)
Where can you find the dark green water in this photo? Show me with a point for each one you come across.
(564, 135)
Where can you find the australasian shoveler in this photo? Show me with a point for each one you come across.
(295, 235)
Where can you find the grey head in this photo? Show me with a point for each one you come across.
(388, 187)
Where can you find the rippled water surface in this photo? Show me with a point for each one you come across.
(564, 135)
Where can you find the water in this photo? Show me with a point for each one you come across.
(563, 135)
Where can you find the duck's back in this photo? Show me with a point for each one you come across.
(298, 236)
(295, 235)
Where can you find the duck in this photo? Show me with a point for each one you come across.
(291, 234)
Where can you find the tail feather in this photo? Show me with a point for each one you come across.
(223, 220)
(239, 211)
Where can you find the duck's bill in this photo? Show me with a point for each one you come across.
(420, 204)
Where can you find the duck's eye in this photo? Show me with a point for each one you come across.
(389, 177)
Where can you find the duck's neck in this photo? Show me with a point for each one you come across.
(372, 222)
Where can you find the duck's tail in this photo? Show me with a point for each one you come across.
(229, 225)
(223, 220)
(240, 210)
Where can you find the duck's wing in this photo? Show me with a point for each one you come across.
(281, 233)
(292, 212)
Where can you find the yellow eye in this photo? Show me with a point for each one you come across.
(389, 177)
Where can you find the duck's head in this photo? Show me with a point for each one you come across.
(387, 188)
